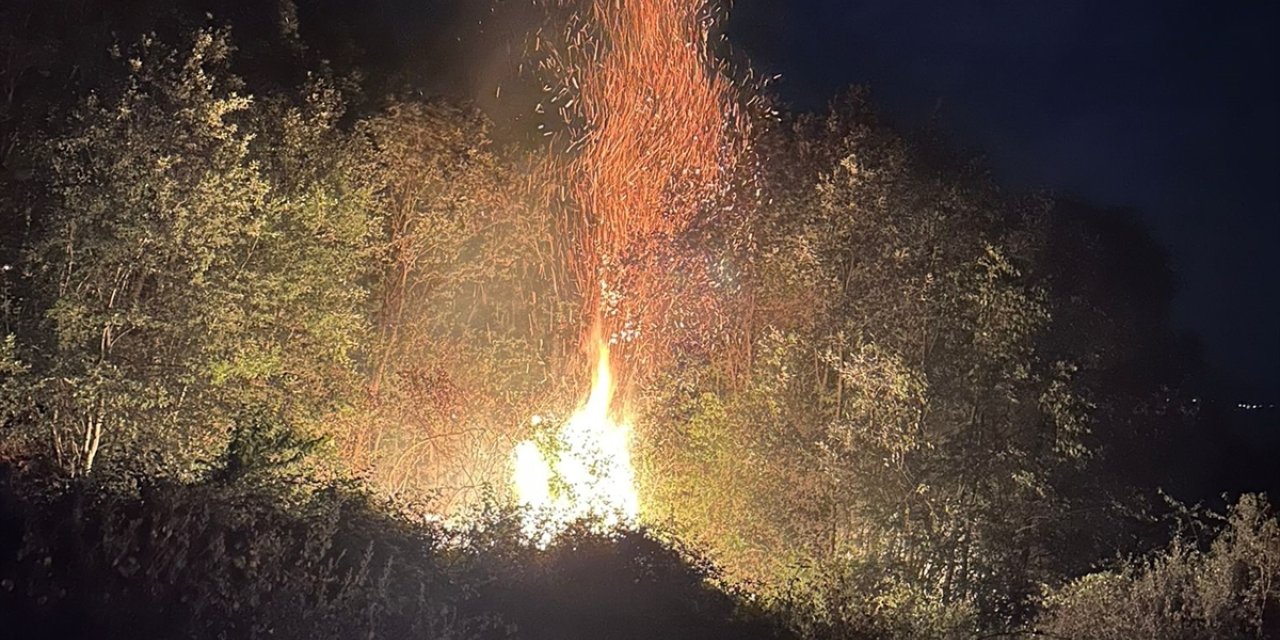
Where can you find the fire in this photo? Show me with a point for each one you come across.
(654, 131)
(582, 471)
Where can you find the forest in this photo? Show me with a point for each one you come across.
(281, 295)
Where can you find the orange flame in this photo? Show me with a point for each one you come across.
(583, 472)
(656, 130)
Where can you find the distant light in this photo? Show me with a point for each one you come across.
(1249, 406)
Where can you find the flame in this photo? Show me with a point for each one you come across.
(583, 471)
(656, 132)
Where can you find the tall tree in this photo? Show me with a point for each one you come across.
(200, 254)
(899, 437)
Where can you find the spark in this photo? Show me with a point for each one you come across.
(655, 128)
(652, 131)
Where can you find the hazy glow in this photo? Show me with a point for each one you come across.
(582, 471)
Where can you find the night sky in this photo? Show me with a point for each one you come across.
(1166, 106)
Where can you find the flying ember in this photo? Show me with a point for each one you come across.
(653, 132)
(582, 471)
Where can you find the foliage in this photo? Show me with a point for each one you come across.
(191, 264)
(212, 561)
(267, 454)
(1229, 590)
(12, 371)
(898, 438)
(467, 329)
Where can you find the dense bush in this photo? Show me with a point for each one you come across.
(219, 560)
(1229, 590)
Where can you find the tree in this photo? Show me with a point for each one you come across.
(899, 438)
(469, 324)
(191, 264)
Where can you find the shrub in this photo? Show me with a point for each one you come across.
(1229, 590)
(229, 560)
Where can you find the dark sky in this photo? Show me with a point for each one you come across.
(1168, 106)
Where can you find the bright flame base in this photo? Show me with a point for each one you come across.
(582, 472)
